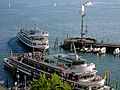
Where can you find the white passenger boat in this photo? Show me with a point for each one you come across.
(35, 38)
(68, 67)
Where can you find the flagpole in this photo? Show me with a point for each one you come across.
(82, 26)
(82, 19)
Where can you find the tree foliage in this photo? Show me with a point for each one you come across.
(53, 83)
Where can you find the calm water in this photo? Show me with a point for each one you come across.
(103, 20)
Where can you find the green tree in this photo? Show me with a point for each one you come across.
(53, 83)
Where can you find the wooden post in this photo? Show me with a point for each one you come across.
(107, 77)
(116, 84)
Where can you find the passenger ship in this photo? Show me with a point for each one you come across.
(35, 38)
(70, 67)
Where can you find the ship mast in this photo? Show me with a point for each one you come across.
(83, 14)
(82, 18)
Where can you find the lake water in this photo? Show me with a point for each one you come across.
(62, 20)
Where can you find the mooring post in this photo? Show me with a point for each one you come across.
(116, 84)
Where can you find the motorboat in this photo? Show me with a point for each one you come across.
(90, 49)
(102, 50)
(96, 49)
(116, 51)
(83, 49)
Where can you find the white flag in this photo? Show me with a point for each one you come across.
(88, 4)
(83, 8)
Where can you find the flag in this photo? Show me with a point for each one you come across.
(10, 52)
(62, 70)
(88, 4)
(105, 76)
(83, 11)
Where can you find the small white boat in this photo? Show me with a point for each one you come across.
(96, 50)
(9, 4)
(83, 49)
(54, 4)
(116, 51)
(89, 49)
(102, 50)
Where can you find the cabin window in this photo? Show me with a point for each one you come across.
(58, 73)
(36, 65)
(51, 71)
(98, 87)
(42, 67)
(78, 62)
(82, 77)
(83, 87)
(46, 60)
(90, 76)
(39, 67)
(34, 43)
(94, 88)
(46, 69)
(71, 76)
(69, 65)
(31, 64)
(25, 61)
(52, 62)
(76, 77)
(86, 76)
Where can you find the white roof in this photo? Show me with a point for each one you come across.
(81, 70)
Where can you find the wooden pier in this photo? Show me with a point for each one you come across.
(2, 88)
(87, 42)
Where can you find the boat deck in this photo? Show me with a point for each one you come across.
(52, 57)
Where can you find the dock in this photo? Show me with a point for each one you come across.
(87, 42)
(2, 87)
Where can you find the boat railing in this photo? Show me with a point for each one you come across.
(36, 57)
(33, 55)
(43, 39)
(91, 79)
(97, 79)
(39, 30)
(40, 42)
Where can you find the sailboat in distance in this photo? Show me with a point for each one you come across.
(54, 4)
(9, 5)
